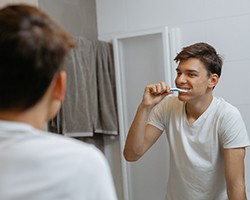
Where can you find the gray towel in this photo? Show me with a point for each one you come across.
(107, 121)
(90, 102)
(79, 109)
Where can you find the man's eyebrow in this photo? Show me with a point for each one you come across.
(192, 71)
(188, 71)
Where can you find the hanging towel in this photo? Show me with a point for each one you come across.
(107, 121)
(90, 102)
(79, 108)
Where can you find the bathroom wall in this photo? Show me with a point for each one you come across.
(78, 17)
(5, 2)
(222, 23)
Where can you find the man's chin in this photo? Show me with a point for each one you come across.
(182, 98)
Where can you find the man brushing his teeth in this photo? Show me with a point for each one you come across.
(207, 136)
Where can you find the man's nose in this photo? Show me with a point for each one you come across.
(181, 78)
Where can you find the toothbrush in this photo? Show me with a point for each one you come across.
(177, 90)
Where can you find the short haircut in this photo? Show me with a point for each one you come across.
(32, 48)
(205, 53)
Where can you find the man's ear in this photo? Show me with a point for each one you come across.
(214, 79)
(59, 88)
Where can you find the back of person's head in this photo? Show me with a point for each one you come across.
(205, 53)
(32, 48)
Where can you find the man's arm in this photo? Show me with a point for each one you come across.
(234, 173)
(142, 136)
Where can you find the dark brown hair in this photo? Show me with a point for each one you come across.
(205, 53)
(32, 49)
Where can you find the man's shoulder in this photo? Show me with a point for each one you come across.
(41, 146)
(224, 106)
(68, 144)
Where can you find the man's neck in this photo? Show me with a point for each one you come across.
(196, 108)
(23, 117)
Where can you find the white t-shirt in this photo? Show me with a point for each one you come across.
(36, 165)
(196, 150)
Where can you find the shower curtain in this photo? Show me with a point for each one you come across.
(90, 105)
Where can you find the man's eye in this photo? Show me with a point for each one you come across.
(191, 75)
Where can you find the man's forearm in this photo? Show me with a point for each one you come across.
(135, 140)
(237, 192)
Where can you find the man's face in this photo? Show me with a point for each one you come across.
(193, 76)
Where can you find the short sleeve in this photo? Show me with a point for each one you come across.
(233, 130)
(169, 108)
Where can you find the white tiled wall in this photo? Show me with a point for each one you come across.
(119, 15)
(222, 23)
